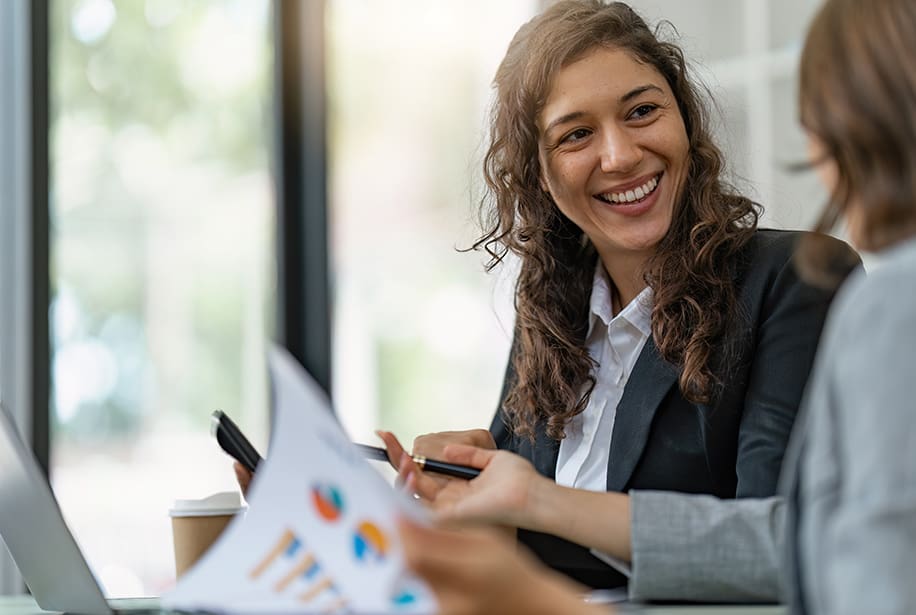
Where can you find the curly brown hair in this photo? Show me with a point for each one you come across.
(691, 272)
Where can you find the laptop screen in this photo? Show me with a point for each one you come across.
(37, 536)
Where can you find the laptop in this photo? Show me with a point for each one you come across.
(40, 542)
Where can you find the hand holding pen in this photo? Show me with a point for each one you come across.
(233, 441)
(501, 495)
(424, 464)
(431, 474)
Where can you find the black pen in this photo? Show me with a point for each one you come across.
(429, 465)
(234, 442)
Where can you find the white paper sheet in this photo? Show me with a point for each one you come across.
(319, 535)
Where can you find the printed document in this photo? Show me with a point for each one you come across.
(320, 534)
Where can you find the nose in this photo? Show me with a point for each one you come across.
(620, 152)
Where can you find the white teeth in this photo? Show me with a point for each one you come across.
(632, 195)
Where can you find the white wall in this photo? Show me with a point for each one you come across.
(747, 52)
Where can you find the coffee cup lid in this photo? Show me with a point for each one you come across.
(223, 503)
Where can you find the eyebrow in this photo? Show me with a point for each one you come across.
(569, 117)
(640, 90)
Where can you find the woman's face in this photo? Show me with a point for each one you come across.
(614, 151)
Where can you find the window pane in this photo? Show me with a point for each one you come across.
(162, 264)
(421, 333)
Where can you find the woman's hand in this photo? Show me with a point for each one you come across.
(481, 572)
(507, 491)
(424, 485)
(243, 476)
(510, 492)
(431, 446)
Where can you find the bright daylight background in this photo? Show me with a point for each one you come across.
(163, 239)
(163, 270)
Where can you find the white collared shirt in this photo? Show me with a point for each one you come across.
(615, 343)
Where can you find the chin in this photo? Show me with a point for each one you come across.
(648, 242)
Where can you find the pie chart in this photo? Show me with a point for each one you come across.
(328, 502)
(369, 543)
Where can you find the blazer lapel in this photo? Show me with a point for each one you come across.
(647, 386)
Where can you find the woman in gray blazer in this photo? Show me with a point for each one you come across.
(849, 538)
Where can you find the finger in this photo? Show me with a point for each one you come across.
(410, 483)
(482, 438)
(428, 487)
(392, 445)
(406, 466)
(424, 485)
(468, 455)
(242, 476)
(428, 445)
(431, 444)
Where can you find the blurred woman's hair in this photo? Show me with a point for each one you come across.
(857, 96)
(692, 271)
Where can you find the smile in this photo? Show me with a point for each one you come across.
(631, 196)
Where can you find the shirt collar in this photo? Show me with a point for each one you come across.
(638, 312)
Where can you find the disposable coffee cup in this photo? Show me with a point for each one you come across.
(196, 524)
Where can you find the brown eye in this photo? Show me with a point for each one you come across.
(643, 111)
(576, 135)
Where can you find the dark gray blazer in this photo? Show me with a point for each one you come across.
(730, 448)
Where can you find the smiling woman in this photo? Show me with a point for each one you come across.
(848, 482)
(662, 341)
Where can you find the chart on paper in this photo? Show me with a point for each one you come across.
(320, 533)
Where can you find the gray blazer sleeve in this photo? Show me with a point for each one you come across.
(701, 548)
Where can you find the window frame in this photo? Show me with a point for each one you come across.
(300, 173)
(24, 275)
(300, 167)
